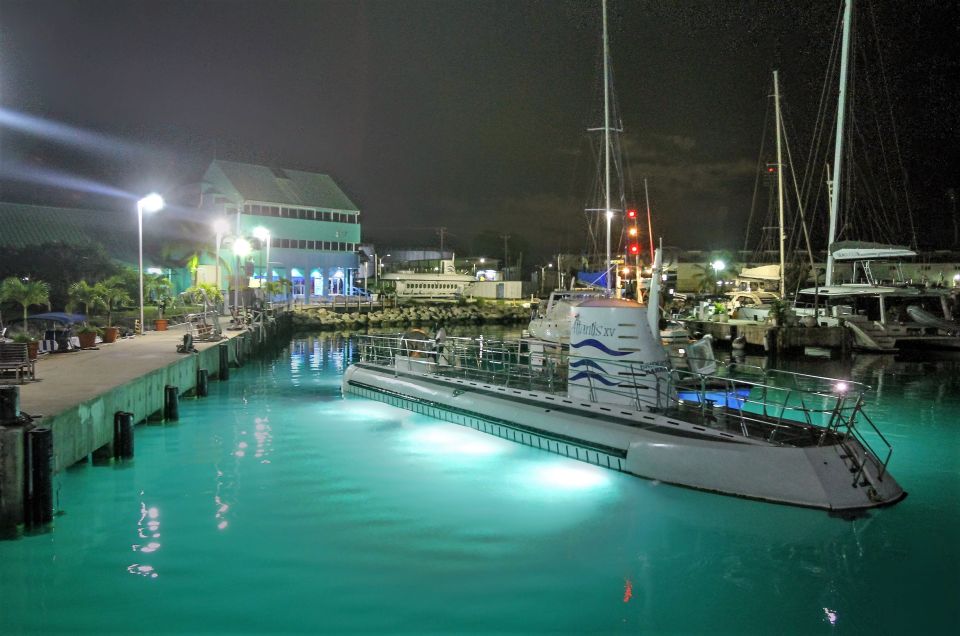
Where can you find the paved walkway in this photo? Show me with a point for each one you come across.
(67, 379)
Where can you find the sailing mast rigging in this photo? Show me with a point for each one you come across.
(838, 147)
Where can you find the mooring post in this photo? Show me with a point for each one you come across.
(171, 403)
(40, 471)
(122, 435)
(203, 383)
(224, 349)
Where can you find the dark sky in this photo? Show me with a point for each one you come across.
(466, 114)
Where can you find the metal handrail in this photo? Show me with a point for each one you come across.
(796, 399)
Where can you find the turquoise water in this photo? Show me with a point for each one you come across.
(276, 506)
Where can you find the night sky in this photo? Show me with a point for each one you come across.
(465, 114)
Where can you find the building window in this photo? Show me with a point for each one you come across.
(274, 242)
(303, 244)
(284, 242)
(311, 245)
(311, 215)
(274, 211)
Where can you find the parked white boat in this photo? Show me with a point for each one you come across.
(436, 283)
(613, 399)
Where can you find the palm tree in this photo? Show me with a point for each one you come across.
(25, 293)
(158, 288)
(113, 294)
(83, 293)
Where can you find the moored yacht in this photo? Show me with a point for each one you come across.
(613, 399)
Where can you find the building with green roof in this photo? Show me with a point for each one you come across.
(314, 227)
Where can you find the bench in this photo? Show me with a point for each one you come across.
(15, 357)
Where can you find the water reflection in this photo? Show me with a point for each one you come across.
(148, 531)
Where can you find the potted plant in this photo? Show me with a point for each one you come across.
(114, 295)
(87, 335)
(720, 312)
(33, 345)
(777, 314)
(158, 288)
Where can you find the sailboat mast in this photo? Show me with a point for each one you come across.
(838, 147)
(606, 136)
(783, 235)
(646, 194)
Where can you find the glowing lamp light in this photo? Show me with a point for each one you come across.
(154, 270)
(626, 271)
(956, 278)
(718, 265)
(221, 226)
(632, 231)
(634, 248)
(841, 387)
(631, 213)
(261, 233)
(609, 214)
(153, 202)
(241, 247)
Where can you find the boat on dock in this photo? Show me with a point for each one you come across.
(612, 398)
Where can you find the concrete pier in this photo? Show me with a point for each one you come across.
(77, 394)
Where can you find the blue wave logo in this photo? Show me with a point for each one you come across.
(594, 376)
(588, 363)
(596, 344)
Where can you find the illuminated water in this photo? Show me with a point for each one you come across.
(276, 506)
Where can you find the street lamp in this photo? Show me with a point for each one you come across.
(151, 203)
(220, 226)
(241, 249)
(262, 234)
(718, 266)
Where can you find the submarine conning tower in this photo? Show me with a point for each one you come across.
(614, 357)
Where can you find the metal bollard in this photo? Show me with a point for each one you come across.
(122, 435)
(40, 480)
(224, 349)
(171, 403)
(203, 383)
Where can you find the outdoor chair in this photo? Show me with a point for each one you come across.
(15, 357)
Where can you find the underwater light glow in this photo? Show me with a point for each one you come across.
(462, 441)
(571, 476)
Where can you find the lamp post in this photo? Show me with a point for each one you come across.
(241, 249)
(151, 203)
(263, 235)
(220, 226)
(718, 266)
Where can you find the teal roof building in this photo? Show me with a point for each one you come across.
(314, 227)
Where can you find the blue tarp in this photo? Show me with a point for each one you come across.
(598, 279)
(733, 399)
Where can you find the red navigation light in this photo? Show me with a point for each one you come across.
(771, 169)
(634, 248)
(632, 213)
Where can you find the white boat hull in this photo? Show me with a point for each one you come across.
(649, 445)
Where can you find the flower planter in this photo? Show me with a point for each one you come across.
(87, 340)
(110, 334)
(160, 324)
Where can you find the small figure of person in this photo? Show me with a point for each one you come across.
(440, 337)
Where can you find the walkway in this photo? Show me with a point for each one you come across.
(67, 379)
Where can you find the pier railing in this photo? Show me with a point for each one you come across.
(779, 407)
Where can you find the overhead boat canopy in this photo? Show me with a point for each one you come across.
(764, 272)
(862, 250)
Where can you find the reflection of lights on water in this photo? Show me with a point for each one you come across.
(148, 527)
(627, 590)
(142, 570)
(458, 440)
(571, 476)
(831, 615)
